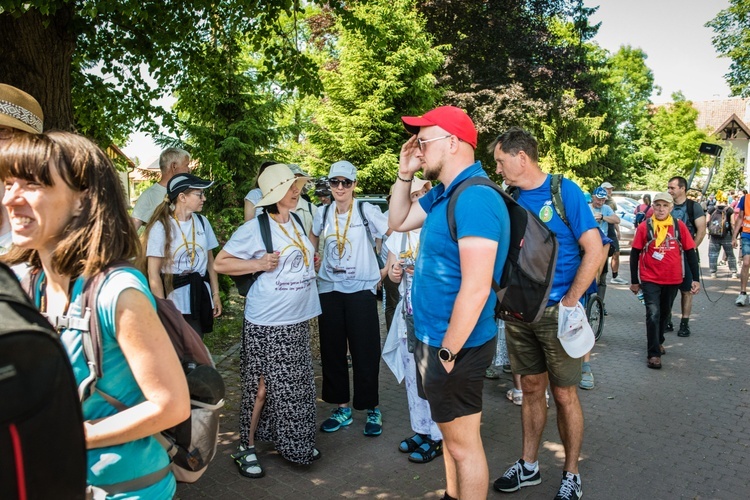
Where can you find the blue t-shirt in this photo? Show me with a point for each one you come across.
(437, 274)
(606, 212)
(123, 462)
(539, 202)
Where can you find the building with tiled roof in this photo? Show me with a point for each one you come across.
(729, 119)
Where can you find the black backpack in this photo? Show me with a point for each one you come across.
(526, 280)
(42, 445)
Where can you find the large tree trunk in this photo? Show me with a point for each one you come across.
(38, 60)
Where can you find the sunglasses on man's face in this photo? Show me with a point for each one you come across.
(334, 183)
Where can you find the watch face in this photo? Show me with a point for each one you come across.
(445, 354)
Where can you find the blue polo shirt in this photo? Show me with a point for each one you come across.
(578, 213)
(437, 274)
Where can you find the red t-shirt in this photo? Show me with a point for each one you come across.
(666, 270)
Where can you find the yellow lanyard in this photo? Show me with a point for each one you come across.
(412, 254)
(341, 240)
(298, 242)
(185, 241)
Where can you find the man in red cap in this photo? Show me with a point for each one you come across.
(452, 292)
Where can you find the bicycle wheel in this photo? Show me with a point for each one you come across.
(595, 314)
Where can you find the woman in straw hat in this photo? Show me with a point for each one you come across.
(349, 275)
(656, 267)
(278, 388)
(178, 247)
(69, 223)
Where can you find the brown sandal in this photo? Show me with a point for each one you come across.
(654, 362)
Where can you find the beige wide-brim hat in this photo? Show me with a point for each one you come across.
(19, 110)
(275, 182)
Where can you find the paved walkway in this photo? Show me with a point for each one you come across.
(679, 432)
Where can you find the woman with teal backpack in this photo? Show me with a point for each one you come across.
(69, 223)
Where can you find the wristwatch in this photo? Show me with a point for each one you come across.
(446, 355)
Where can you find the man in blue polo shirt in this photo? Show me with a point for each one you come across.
(452, 292)
(535, 351)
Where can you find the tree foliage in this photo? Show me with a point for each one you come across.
(732, 39)
(672, 142)
(99, 66)
(382, 69)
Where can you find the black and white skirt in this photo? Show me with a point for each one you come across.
(281, 355)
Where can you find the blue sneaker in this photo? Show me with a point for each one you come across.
(341, 417)
(374, 425)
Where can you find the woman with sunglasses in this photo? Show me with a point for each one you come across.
(179, 244)
(69, 223)
(347, 280)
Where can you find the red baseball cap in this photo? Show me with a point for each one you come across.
(450, 118)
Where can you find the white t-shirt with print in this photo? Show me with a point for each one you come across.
(288, 294)
(205, 241)
(356, 269)
(409, 241)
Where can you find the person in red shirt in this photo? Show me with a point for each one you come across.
(656, 268)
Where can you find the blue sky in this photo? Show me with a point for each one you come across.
(671, 32)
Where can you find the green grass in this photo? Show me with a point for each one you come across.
(227, 327)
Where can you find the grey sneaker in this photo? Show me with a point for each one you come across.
(619, 281)
(517, 477)
(741, 300)
(491, 373)
(570, 488)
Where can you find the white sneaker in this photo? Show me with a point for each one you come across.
(734, 276)
(713, 275)
(515, 396)
(741, 300)
(619, 281)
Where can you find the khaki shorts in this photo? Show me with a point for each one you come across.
(534, 349)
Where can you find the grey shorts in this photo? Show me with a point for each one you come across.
(458, 393)
(534, 349)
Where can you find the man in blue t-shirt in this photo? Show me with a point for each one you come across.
(452, 293)
(535, 351)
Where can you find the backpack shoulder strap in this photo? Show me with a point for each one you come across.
(690, 206)
(649, 230)
(299, 221)
(555, 187)
(325, 213)
(91, 340)
(471, 181)
(202, 221)
(361, 209)
(265, 231)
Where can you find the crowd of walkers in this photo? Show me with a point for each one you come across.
(64, 220)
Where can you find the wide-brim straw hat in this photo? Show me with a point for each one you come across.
(275, 182)
(19, 110)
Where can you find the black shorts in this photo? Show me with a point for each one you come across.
(614, 247)
(687, 281)
(458, 393)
